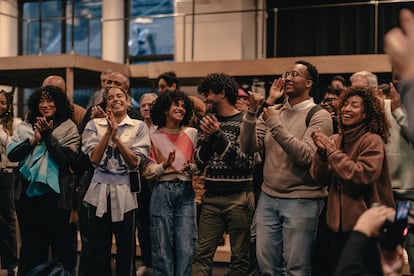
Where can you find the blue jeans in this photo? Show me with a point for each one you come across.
(286, 230)
(173, 228)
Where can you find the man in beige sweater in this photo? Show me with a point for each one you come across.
(290, 202)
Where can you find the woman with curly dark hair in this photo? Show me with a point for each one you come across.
(172, 207)
(64, 109)
(354, 164)
(45, 145)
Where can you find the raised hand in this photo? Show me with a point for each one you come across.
(256, 100)
(170, 160)
(112, 125)
(399, 45)
(323, 142)
(42, 124)
(209, 125)
(276, 91)
(97, 112)
(395, 97)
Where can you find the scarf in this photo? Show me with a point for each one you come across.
(38, 168)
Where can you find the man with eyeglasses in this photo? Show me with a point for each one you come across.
(290, 202)
(329, 102)
(243, 100)
(167, 81)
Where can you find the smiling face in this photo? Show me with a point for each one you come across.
(47, 106)
(175, 114)
(352, 111)
(330, 102)
(297, 81)
(212, 101)
(117, 101)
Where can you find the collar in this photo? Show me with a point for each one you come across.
(352, 134)
(306, 104)
(171, 130)
(126, 121)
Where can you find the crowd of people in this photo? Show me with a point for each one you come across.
(298, 186)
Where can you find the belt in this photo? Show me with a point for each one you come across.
(6, 170)
(222, 193)
(175, 181)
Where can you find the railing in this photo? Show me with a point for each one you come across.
(142, 48)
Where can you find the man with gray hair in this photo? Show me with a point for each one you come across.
(364, 79)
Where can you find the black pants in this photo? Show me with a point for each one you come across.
(8, 242)
(43, 225)
(143, 223)
(84, 182)
(100, 232)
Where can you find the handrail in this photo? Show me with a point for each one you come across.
(193, 14)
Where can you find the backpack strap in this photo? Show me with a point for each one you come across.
(312, 112)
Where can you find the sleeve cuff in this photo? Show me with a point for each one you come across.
(251, 116)
(159, 169)
(398, 114)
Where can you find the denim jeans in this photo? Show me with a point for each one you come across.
(173, 228)
(234, 212)
(286, 230)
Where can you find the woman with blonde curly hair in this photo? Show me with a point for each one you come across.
(354, 165)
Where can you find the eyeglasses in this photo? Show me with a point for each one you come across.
(292, 74)
(329, 100)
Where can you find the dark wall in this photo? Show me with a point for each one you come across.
(314, 28)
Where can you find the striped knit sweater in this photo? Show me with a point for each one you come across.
(165, 140)
(227, 168)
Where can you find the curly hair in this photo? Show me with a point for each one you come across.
(217, 82)
(375, 119)
(6, 119)
(163, 103)
(64, 109)
(170, 78)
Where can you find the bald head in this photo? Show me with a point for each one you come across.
(117, 79)
(56, 81)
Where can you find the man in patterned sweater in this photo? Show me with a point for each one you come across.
(229, 200)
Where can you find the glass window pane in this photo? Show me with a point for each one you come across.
(47, 41)
(87, 28)
(151, 30)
